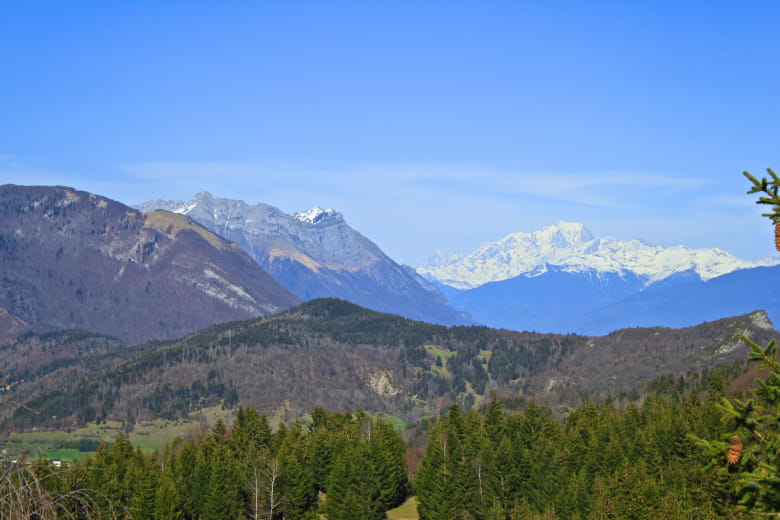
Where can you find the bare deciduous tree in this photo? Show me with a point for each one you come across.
(265, 487)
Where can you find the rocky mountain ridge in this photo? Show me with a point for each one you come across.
(316, 254)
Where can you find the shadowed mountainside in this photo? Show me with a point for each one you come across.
(71, 259)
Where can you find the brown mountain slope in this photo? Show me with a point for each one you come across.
(71, 259)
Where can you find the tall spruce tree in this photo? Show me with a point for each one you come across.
(299, 492)
(167, 502)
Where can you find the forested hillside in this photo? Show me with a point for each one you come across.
(334, 354)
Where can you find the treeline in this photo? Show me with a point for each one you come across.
(599, 463)
(246, 471)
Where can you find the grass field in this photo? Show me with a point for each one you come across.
(398, 424)
(148, 435)
(442, 353)
(406, 511)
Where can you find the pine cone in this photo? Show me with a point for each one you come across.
(777, 236)
(735, 450)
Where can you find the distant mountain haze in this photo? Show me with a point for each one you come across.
(72, 259)
(564, 279)
(315, 254)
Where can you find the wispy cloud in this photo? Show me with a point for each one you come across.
(412, 210)
(604, 190)
(611, 190)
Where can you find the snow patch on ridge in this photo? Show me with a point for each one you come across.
(314, 215)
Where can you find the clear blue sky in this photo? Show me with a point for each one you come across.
(430, 125)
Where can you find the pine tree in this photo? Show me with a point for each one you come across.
(143, 477)
(387, 452)
(748, 457)
(189, 479)
(437, 480)
(250, 429)
(299, 494)
(223, 499)
(353, 490)
(167, 502)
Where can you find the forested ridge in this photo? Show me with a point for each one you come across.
(339, 356)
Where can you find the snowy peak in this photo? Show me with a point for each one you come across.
(315, 215)
(574, 248)
(317, 237)
(562, 235)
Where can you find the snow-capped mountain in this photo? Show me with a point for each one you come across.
(315, 215)
(572, 247)
(315, 254)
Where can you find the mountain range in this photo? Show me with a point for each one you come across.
(316, 254)
(563, 279)
(571, 246)
(72, 259)
(172, 316)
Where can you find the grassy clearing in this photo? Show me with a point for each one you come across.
(66, 454)
(398, 424)
(406, 511)
(443, 353)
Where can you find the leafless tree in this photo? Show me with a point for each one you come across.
(264, 487)
(25, 495)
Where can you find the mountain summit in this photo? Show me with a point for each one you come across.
(316, 254)
(574, 248)
(316, 215)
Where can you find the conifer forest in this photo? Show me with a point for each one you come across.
(641, 462)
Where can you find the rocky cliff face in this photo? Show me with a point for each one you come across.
(71, 259)
(317, 254)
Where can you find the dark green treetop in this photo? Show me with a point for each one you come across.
(770, 188)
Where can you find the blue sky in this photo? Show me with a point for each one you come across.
(430, 125)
